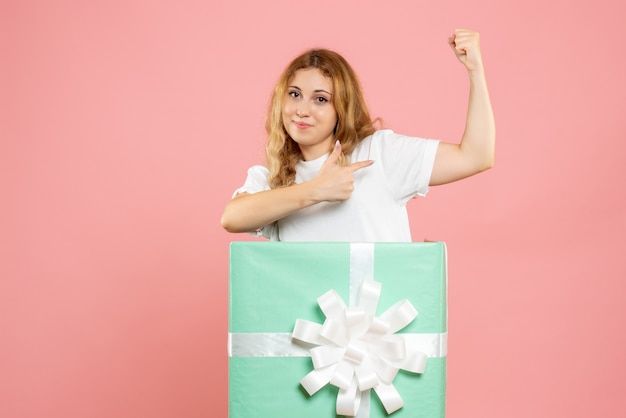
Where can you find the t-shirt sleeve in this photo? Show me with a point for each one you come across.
(408, 163)
(257, 181)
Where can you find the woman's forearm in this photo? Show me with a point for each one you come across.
(249, 212)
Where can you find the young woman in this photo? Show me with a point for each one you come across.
(332, 176)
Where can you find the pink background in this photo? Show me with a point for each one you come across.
(125, 126)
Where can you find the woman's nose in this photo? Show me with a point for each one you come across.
(302, 109)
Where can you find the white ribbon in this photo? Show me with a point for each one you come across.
(357, 351)
(281, 344)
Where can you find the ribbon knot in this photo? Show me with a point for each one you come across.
(357, 351)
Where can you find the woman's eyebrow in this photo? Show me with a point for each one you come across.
(314, 91)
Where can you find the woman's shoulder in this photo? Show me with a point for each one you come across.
(256, 180)
(382, 134)
(258, 170)
(381, 137)
(377, 136)
(259, 175)
(377, 139)
(386, 143)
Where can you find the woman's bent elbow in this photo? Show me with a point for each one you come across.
(228, 224)
(488, 164)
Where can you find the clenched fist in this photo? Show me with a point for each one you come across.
(466, 46)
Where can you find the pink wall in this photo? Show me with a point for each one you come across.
(125, 126)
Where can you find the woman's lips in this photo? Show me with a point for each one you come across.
(302, 125)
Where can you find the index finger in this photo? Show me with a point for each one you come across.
(359, 165)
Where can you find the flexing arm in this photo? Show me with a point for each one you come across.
(247, 212)
(475, 153)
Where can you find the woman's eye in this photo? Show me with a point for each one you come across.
(322, 99)
(294, 94)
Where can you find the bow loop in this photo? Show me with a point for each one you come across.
(399, 315)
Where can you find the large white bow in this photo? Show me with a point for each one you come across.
(357, 351)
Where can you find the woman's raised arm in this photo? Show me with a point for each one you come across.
(476, 151)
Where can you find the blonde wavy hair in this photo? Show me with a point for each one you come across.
(353, 119)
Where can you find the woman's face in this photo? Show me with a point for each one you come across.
(308, 112)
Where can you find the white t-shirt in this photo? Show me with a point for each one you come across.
(376, 211)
